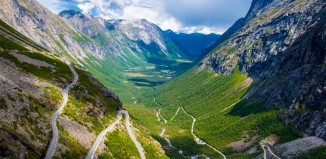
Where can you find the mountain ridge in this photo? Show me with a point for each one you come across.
(193, 44)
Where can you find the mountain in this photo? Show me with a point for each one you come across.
(112, 34)
(120, 53)
(34, 84)
(142, 55)
(263, 82)
(284, 50)
(258, 93)
(193, 44)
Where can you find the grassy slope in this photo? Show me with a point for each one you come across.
(205, 95)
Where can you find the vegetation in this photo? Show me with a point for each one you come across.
(214, 101)
(124, 151)
(23, 40)
(87, 100)
(317, 153)
(45, 73)
(87, 95)
(3, 104)
(75, 150)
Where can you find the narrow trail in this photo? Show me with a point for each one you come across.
(55, 136)
(158, 113)
(263, 146)
(198, 140)
(99, 138)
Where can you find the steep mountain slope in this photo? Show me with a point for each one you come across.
(193, 44)
(285, 50)
(31, 85)
(120, 54)
(266, 77)
(31, 81)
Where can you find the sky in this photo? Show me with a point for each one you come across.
(187, 16)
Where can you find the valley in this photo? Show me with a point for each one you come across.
(75, 85)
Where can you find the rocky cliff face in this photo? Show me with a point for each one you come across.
(83, 37)
(42, 26)
(31, 82)
(140, 36)
(282, 45)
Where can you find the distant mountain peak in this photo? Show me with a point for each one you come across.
(69, 13)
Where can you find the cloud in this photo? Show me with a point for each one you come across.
(210, 13)
(86, 7)
(204, 16)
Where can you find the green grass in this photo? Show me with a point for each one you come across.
(60, 70)
(316, 153)
(23, 39)
(206, 96)
(62, 38)
(56, 96)
(124, 151)
(86, 95)
(8, 44)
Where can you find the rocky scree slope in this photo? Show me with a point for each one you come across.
(282, 45)
(31, 81)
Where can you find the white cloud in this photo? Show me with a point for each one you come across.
(204, 16)
(86, 7)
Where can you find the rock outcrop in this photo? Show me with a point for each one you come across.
(281, 44)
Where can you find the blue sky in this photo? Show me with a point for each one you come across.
(204, 16)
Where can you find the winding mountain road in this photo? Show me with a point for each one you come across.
(55, 136)
(263, 146)
(99, 138)
(198, 140)
(158, 113)
(110, 128)
(132, 136)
